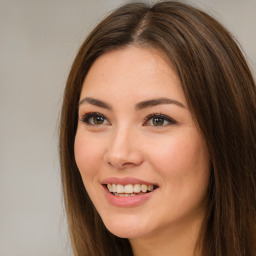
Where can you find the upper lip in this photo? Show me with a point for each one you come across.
(126, 181)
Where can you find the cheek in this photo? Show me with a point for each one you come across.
(88, 154)
(184, 167)
(180, 154)
(182, 161)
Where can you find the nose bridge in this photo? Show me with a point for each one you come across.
(120, 138)
(123, 149)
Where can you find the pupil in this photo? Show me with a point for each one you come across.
(158, 121)
(98, 120)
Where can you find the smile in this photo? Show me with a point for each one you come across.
(129, 189)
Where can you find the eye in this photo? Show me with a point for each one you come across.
(159, 120)
(94, 119)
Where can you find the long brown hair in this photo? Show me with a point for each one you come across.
(221, 95)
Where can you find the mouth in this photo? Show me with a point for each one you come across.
(130, 190)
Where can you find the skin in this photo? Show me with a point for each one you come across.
(172, 155)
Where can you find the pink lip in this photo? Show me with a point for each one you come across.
(126, 201)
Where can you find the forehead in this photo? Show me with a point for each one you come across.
(132, 70)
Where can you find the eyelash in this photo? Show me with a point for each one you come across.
(161, 117)
(86, 119)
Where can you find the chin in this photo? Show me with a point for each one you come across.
(125, 228)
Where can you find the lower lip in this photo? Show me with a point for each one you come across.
(129, 201)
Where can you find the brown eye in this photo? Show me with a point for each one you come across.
(95, 119)
(159, 120)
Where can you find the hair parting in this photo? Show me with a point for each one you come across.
(221, 95)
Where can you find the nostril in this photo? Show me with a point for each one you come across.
(128, 164)
(121, 164)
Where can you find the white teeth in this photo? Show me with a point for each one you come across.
(119, 188)
(137, 188)
(110, 187)
(114, 188)
(144, 188)
(129, 189)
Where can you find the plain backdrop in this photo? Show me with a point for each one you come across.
(38, 41)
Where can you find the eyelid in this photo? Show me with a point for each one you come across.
(85, 118)
(162, 116)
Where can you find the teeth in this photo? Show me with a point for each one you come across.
(124, 195)
(150, 187)
(129, 190)
(110, 187)
(144, 188)
(119, 188)
(137, 188)
(114, 188)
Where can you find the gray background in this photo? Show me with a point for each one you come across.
(38, 41)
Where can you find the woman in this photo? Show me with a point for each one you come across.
(157, 140)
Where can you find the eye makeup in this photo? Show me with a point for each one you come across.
(155, 119)
(94, 118)
(158, 119)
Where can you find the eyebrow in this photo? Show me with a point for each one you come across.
(138, 106)
(155, 102)
(95, 102)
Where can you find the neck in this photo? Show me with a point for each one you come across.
(176, 240)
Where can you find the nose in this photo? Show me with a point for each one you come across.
(123, 150)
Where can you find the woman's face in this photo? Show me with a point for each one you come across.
(136, 137)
